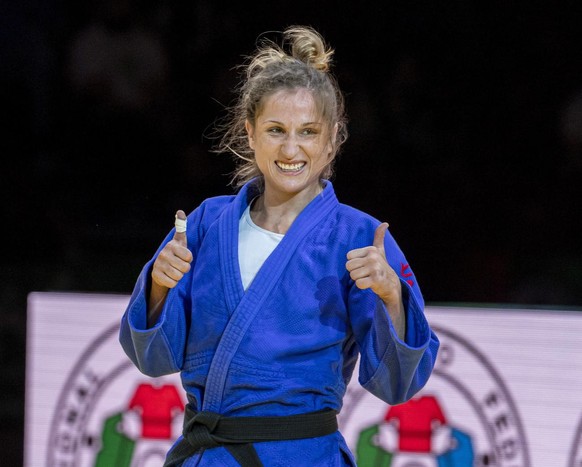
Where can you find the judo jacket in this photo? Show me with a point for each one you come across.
(290, 342)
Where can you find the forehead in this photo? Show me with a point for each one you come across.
(290, 103)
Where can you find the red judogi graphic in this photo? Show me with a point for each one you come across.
(415, 419)
(157, 406)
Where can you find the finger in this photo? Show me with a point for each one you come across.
(176, 273)
(364, 283)
(355, 263)
(169, 275)
(359, 253)
(180, 224)
(161, 278)
(374, 270)
(379, 235)
(359, 273)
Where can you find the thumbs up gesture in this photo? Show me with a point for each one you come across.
(175, 258)
(370, 270)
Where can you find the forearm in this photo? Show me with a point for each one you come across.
(398, 317)
(156, 300)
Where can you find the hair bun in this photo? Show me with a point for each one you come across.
(309, 47)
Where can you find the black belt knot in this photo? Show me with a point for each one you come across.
(209, 430)
(199, 428)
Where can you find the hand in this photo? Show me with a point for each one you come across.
(369, 269)
(174, 259)
(169, 268)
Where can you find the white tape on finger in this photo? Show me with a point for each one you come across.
(180, 225)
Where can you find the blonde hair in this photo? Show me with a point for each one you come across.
(302, 61)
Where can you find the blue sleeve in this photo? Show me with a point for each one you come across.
(159, 350)
(391, 369)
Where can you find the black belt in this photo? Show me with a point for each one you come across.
(236, 434)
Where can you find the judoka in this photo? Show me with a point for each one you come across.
(264, 300)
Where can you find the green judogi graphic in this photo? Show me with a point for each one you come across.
(370, 455)
(116, 449)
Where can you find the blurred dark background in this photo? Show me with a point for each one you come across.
(465, 123)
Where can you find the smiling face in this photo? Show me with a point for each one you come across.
(292, 144)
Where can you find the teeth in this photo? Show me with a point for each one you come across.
(290, 167)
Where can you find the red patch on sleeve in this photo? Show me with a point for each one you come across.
(405, 272)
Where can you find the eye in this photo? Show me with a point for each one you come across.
(275, 130)
(309, 131)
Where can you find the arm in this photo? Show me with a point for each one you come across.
(154, 327)
(169, 268)
(397, 347)
(369, 269)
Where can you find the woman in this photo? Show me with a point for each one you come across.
(264, 300)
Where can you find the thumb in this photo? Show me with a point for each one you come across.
(180, 224)
(379, 235)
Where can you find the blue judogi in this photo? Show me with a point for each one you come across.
(289, 343)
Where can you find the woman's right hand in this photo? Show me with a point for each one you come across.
(174, 259)
(169, 268)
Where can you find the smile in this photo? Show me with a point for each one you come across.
(290, 167)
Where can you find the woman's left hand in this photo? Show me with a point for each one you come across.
(369, 269)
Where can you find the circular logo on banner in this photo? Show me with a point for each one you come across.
(464, 416)
(108, 413)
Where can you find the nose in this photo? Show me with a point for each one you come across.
(290, 146)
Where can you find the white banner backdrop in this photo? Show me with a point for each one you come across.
(506, 392)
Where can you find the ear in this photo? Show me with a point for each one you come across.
(332, 140)
(250, 133)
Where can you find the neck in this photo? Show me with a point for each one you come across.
(276, 212)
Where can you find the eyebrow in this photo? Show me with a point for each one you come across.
(282, 124)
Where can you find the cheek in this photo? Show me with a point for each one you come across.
(261, 155)
(322, 154)
(262, 148)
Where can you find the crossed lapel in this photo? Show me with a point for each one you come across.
(244, 306)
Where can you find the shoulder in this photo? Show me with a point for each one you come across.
(346, 214)
(354, 220)
(358, 228)
(210, 209)
(345, 228)
(216, 203)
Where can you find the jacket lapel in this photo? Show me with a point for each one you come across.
(243, 307)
